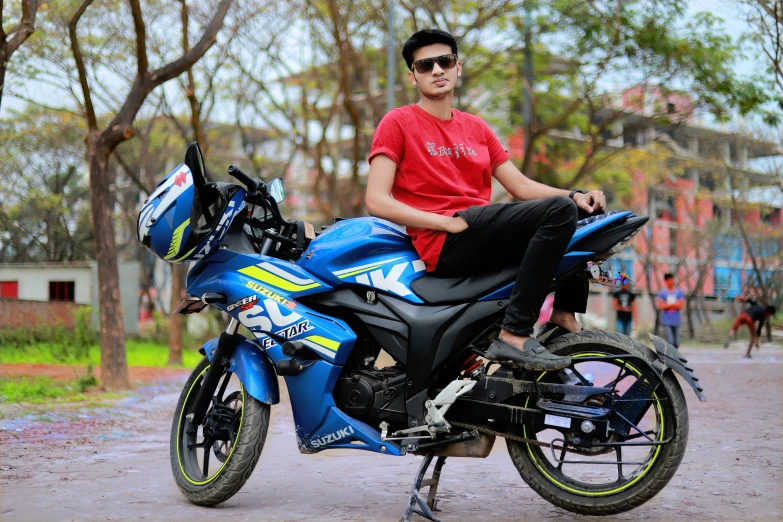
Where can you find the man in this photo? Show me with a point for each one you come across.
(755, 312)
(670, 302)
(625, 305)
(431, 170)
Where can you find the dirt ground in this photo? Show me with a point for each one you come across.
(77, 463)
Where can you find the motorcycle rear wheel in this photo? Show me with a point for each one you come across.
(243, 423)
(669, 413)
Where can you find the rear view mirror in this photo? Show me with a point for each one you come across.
(276, 189)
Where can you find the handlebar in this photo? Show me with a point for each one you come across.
(251, 184)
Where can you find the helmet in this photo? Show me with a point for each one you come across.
(186, 217)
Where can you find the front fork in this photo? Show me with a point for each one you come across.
(220, 361)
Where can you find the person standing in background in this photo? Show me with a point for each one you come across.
(625, 304)
(670, 302)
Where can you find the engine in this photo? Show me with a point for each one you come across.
(373, 396)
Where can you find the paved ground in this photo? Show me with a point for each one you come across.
(98, 465)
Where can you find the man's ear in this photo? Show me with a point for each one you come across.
(459, 69)
(412, 77)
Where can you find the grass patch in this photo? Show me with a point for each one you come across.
(139, 353)
(38, 390)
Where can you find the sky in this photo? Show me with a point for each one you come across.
(728, 10)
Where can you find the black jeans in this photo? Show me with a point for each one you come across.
(534, 234)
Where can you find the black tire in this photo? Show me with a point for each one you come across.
(663, 466)
(238, 465)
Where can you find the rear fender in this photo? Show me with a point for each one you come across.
(670, 357)
(253, 368)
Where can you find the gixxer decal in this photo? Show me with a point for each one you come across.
(243, 304)
(270, 294)
(332, 437)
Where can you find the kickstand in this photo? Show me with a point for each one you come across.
(425, 509)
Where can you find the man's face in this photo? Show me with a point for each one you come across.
(670, 283)
(625, 287)
(438, 83)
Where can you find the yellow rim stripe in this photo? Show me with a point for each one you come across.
(176, 240)
(274, 280)
(323, 341)
(360, 271)
(611, 491)
(233, 445)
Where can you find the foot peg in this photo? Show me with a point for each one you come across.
(533, 356)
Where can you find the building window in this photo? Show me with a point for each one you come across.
(9, 289)
(61, 290)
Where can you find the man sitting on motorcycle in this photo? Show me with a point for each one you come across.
(431, 170)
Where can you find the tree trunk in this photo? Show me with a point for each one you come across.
(688, 312)
(114, 366)
(176, 321)
(2, 75)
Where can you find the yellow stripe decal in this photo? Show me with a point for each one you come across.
(323, 341)
(342, 276)
(176, 240)
(186, 254)
(274, 280)
(611, 491)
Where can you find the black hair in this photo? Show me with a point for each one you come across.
(771, 310)
(424, 38)
(668, 276)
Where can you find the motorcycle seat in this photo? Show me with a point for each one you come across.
(446, 290)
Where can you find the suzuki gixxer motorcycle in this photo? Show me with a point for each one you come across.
(600, 437)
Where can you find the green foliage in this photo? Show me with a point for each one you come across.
(61, 345)
(139, 353)
(44, 213)
(37, 390)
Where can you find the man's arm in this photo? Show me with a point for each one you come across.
(633, 311)
(525, 189)
(616, 303)
(380, 202)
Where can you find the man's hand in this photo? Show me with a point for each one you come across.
(593, 201)
(456, 225)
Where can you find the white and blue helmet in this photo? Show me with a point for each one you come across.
(186, 217)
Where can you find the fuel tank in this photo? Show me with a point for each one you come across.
(367, 251)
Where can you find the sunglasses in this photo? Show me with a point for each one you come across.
(425, 65)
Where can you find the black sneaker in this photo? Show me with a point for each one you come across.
(532, 356)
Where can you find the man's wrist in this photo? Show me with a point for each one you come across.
(574, 192)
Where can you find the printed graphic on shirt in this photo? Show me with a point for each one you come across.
(457, 149)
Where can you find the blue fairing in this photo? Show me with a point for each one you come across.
(367, 251)
(261, 294)
(253, 368)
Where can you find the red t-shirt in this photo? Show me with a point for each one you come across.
(443, 166)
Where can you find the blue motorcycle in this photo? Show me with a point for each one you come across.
(378, 355)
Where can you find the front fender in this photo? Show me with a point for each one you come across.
(670, 357)
(253, 368)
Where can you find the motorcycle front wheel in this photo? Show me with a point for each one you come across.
(606, 480)
(211, 462)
